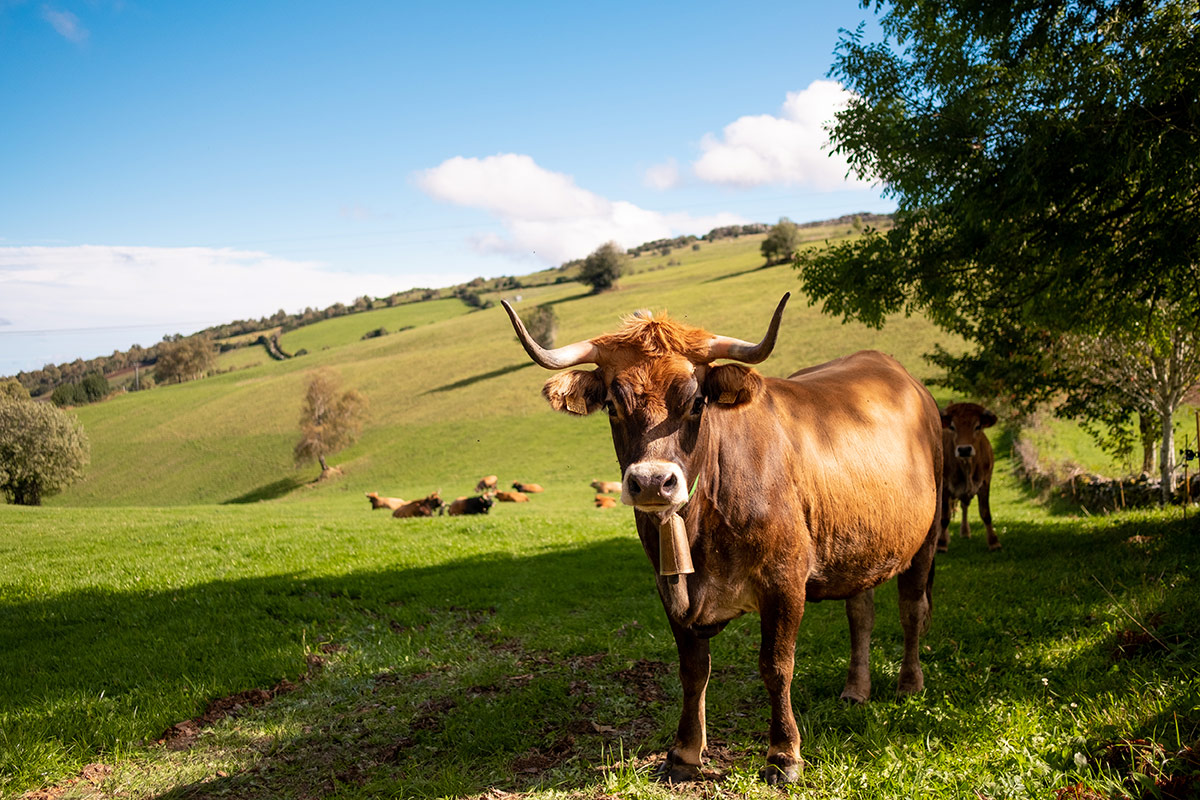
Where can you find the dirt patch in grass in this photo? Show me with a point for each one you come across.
(182, 735)
(91, 775)
(1148, 639)
(644, 679)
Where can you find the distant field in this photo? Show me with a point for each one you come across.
(451, 398)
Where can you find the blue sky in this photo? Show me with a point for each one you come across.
(167, 166)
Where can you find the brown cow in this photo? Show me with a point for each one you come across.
(528, 488)
(383, 502)
(486, 483)
(512, 497)
(968, 468)
(604, 501)
(607, 487)
(470, 505)
(765, 493)
(425, 507)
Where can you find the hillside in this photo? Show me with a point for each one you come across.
(452, 397)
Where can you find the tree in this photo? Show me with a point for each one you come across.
(1150, 366)
(603, 267)
(1043, 160)
(782, 241)
(11, 389)
(329, 419)
(42, 450)
(184, 359)
(542, 324)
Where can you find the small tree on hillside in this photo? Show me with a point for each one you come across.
(603, 267)
(543, 325)
(329, 420)
(42, 450)
(782, 242)
(184, 360)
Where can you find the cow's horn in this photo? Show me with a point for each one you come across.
(736, 349)
(560, 357)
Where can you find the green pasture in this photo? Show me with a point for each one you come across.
(526, 651)
(452, 396)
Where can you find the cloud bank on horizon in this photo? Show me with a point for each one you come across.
(92, 286)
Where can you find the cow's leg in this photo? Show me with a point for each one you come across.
(860, 611)
(965, 530)
(943, 542)
(683, 759)
(985, 512)
(916, 606)
(776, 660)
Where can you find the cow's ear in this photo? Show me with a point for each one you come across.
(946, 420)
(732, 385)
(576, 391)
(987, 419)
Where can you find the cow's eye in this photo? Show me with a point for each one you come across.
(610, 407)
(951, 426)
(977, 426)
(697, 406)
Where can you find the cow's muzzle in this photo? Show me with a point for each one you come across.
(964, 451)
(654, 486)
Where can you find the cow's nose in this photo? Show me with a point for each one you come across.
(965, 451)
(653, 483)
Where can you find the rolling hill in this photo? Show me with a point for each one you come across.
(452, 395)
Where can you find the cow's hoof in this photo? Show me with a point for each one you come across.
(911, 682)
(671, 772)
(943, 547)
(855, 695)
(994, 546)
(779, 771)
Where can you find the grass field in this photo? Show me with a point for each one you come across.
(526, 652)
(197, 619)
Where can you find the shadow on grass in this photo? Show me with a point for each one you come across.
(499, 671)
(740, 273)
(487, 376)
(270, 491)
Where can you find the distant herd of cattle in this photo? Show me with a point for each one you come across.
(481, 503)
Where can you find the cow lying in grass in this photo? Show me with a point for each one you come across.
(425, 507)
(604, 501)
(528, 488)
(512, 497)
(470, 505)
(607, 487)
(384, 502)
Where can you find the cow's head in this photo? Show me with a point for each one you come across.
(965, 422)
(656, 379)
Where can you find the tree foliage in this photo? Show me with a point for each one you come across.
(603, 267)
(42, 450)
(1043, 160)
(542, 325)
(185, 359)
(330, 419)
(782, 241)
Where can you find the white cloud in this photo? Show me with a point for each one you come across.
(545, 215)
(184, 289)
(66, 23)
(790, 149)
(662, 176)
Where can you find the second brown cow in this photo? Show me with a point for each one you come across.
(967, 468)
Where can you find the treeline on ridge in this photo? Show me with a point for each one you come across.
(177, 358)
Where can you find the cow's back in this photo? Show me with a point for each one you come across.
(868, 458)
